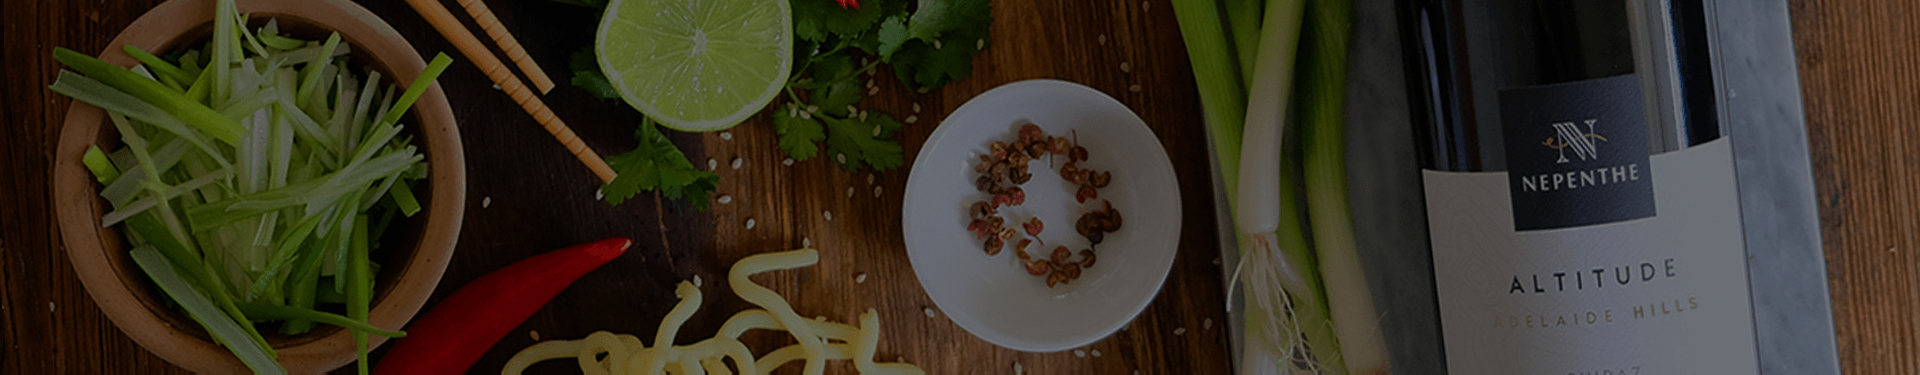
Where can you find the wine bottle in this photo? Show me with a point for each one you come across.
(1580, 194)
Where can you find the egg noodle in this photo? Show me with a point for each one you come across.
(819, 340)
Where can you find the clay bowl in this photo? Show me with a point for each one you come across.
(413, 254)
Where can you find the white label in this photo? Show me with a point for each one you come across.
(1661, 295)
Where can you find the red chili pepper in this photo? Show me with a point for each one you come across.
(848, 3)
(452, 336)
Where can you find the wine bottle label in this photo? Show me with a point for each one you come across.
(1577, 153)
(1661, 294)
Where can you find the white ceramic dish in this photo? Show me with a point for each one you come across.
(992, 297)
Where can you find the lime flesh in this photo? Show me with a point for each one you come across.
(696, 65)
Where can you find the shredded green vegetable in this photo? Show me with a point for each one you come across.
(253, 176)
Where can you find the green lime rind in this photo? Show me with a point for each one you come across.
(696, 65)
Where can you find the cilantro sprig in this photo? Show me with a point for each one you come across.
(925, 44)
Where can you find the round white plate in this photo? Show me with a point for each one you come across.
(992, 296)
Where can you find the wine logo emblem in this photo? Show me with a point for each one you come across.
(1581, 142)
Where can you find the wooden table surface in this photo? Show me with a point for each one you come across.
(526, 195)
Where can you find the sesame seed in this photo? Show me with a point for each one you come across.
(1144, 5)
(860, 278)
(534, 334)
(928, 310)
(712, 164)
(916, 107)
(869, 83)
(828, 214)
(869, 179)
(813, 109)
(793, 111)
(484, 202)
(1180, 331)
(52, 308)
(1207, 324)
(696, 281)
(1126, 67)
(1017, 370)
(851, 110)
(725, 199)
(863, 117)
(820, 318)
(749, 223)
(806, 115)
(876, 128)
(789, 161)
(726, 135)
(912, 118)
(849, 192)
(922, 90)
(599, 194)
(873, 89)
(1079, 353)
(876, 191)
(1103, 39)
(737, 162)
(1134, 88)
(979, 44)
(1096, 352)
(936, 44)
(496, 86)
(840, 157)
(806, 242)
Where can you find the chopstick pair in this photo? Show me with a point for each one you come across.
(469, 45)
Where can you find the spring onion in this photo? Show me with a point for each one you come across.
(1308, 304)
(251, 173)
(1323, 93)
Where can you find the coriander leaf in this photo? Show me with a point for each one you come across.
(587, 76)
(929, 66)
(935, 18)
(816, 20)
(892, 34)
(852, 142)
(798, 134)
(835, 84)
(655, 164)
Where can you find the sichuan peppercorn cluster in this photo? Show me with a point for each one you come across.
(1005, 169)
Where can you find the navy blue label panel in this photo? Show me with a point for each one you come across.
(1577, 153)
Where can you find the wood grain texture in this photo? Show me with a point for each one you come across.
(1860, 76)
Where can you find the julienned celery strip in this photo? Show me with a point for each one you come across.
(106, 97)
(97, 163)
(225, 330)
(289, 312)
(158, 66)
(359, 285)
(418, 87)
(188, 111)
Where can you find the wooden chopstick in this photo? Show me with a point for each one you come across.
(490, 24)
(469, 45)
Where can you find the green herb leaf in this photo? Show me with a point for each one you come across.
(836, 84)
(587, 76)
(655, 164)
(798, 134)
(892, 34)
(852, 142)
(816, 20)
(930, 67)
(935, 18)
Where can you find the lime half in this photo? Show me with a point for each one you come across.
(696, 65)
